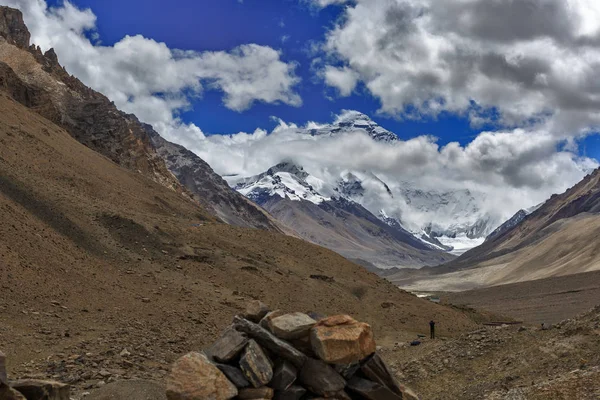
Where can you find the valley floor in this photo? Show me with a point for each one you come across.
(506, 362)
(547, 301)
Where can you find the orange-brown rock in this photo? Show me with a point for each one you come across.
(342, 340)
(193, 377)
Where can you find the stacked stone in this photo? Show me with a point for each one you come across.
(272, 355)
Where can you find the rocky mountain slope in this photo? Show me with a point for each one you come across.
(557, 239)
(444, 219)
(39, 82)
(111, 259)
(291, 196)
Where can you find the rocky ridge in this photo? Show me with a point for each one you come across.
(39, 82)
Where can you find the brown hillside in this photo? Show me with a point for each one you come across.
(93, 256)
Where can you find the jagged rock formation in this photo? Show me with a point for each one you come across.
(39, 82)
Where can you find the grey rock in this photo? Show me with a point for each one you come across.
(228, 346)
(270, 341)
(371, 390)
(291, 393)
(320, 378)
(256, 365)
(235, 375)
(347, 371)
(256, 310)
(284, 375)
(377, 371)
(291, 326)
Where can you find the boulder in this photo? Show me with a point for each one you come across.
(342, 340)
(3, 375)
(228, 346)
(291, 326)
(371, 390)
(8, 393)
(270, 315)
(235, 375)
(256, 310)
(269, 341)
(284, 375)
(292, 393)
(375, 369)
(194, 377)
(256, 393)
(129, 390)
(42, 390)
(256, 365)
(320, 378)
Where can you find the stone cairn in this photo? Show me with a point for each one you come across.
(272, 355)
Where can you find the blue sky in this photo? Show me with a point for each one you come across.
(216, 25)
(491, 66)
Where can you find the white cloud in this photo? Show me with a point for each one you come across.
(509, 170)
(149, 79)
(325, 3)
(521, 59)
(344, 79)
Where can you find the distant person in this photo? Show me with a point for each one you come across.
(432, 328)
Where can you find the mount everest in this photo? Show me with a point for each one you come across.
(440, 219)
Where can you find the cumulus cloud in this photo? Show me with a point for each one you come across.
(505, 170)
(148, 78)
(344, 79)
(520, 61)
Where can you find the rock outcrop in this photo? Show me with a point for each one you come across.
(38, 81)
(12, 27)
(336, 360)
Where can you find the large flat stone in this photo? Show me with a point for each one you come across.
(42, 390)
(269, 341)
(320, 378)
(194, 377)
(228, 346)
(342, 340)
(256, 365)
(291, 326)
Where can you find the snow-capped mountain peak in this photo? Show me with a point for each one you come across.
(286, 180)
(352, 121)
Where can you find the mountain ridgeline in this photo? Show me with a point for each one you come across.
(40, 83)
